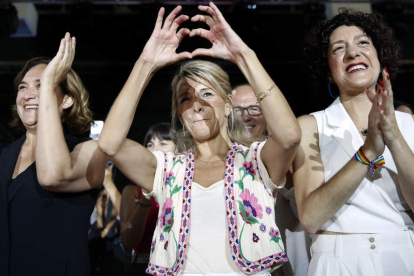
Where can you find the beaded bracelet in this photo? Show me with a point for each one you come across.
(360, 156)
(143, 205)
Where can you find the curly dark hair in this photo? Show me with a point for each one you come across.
(382, 36)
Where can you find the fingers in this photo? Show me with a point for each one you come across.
(203, 18)
(371, 94)
(181, 56)
(178, 21)
(182, 33)
(217, 12)
(158, 22)
(170, 18)
(200, 32)
(203, 52)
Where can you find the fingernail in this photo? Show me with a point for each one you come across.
(367, 88)
(386, 70)
(379, 90)
(381, 83)
(388, 77)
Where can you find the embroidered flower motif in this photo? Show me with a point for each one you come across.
(255, 238)
(248, 166)
(249, 208)
(154, 242)
(263, 228)
(268, 210)
(170, 178)
(166, 245)
(167, 215)
(161, 237)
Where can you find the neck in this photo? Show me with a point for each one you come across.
(357, 107)
(213, 149)
(30, 139)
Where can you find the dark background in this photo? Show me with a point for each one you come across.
(111, 34)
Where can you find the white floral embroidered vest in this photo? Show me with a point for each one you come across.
(254, 239)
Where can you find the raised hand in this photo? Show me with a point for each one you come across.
(57, 69)
(160, 49)
(226, 43)
(374, 144)
(386, 112)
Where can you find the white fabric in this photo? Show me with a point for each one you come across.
(377, 206)
(389, 254)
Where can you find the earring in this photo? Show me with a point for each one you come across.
(330, 93)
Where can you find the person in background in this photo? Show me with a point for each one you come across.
(139, 212)
(248, 108)
(107, 253)
(353, 173)
(296, 240)
(403, 107)
(48, 176)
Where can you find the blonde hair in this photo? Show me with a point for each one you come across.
(77, 119)
(214, 77)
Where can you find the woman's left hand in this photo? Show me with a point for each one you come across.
(226, 43)
(57, 69)
(386, 112)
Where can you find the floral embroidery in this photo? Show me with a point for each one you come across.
(161, 237)
(154, 242)
(166, 245)
(249, 169)
(268, 210)
(251, 208)
(249, 211)
(275, 236)
(255, 238)
(167, 215)
(263, 228)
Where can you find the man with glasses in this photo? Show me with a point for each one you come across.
(248, 108)
(296, 240)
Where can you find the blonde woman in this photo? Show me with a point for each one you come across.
(219, 179)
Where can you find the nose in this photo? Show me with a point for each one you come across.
(198, 106)
(31, 93)
(245, 116)
(352, 52)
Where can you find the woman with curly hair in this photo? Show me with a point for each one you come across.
(216, 195)
(353, 175)
(48, 176)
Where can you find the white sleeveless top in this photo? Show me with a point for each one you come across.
(377, 206)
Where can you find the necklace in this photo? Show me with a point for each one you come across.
(214, 161)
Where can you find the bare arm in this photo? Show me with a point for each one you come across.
(58, 169)
(279, 150)
(111, 188)
(133, 217)
(134, 160)
(318, 201)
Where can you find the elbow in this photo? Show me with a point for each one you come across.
(292, 139)
(48, 181)
(107, 148)
(308, 223)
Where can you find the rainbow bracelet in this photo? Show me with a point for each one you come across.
(359, 155)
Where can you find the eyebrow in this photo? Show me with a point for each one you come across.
(182, 94)
(343, 41)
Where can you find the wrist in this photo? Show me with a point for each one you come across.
(146, 65)
(244, 54)
(144, 200)
(370, 154)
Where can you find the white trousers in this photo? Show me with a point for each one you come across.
(363, 254)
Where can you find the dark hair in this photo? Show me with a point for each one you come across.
(78, 118)
(162, 131)
(382, 36)
(398, 103)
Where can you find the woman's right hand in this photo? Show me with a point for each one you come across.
(374, 144)
(160, 49)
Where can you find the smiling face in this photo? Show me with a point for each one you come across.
(27, 100)
(202, 111)
(245, 97)
(353, 59)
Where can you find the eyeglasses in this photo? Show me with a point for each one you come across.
(252, 110)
